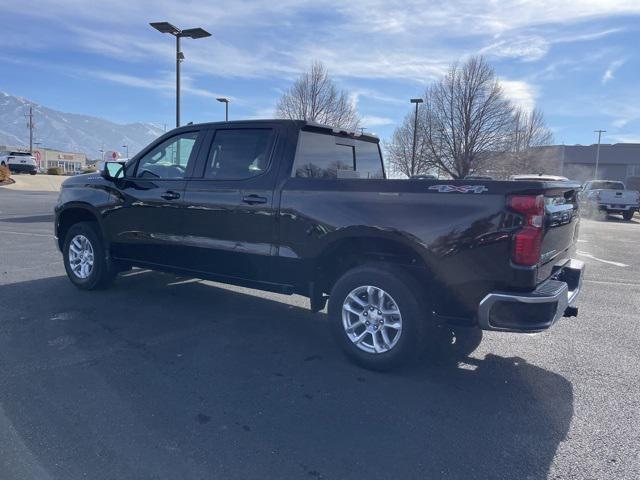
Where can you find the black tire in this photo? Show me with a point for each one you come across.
(628, 215)
(32, 173)
(403, 289)
(103, 270)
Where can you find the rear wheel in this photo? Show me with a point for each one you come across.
(377, 316)
(85, 258)
(628, 215)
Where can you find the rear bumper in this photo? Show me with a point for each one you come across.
(617, 207)
(21, 168)
(537, 310)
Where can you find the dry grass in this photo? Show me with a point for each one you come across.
(5, 174)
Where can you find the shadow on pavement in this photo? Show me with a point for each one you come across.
(162, 378)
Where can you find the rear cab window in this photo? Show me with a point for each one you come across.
(328, 156)
(604, 185)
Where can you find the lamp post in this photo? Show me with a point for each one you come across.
(127, 147)
(195, 33)
(226, 107)
(417, 101)
(599, 132)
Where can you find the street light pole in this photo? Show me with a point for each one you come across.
(226, 107)
(417, 101)
(599, 132)
(195, 33)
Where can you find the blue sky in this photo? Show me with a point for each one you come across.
(576, 60)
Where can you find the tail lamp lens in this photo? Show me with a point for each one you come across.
(527, 242)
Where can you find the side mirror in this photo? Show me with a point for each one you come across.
(113, 170)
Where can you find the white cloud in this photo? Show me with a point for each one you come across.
(611, 70)
(165, 84)
(369, 121)
(530, 47)
(626, 137)
(367, 38)
(521, 93)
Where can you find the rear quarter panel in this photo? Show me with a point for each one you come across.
(460, 237)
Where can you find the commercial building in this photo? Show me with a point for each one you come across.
(619, 161)
(70, 162)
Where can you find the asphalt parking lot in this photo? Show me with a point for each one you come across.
(165, 378)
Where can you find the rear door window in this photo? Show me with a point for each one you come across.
(238, 154)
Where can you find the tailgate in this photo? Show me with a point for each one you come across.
(560, 228)
(618, 197)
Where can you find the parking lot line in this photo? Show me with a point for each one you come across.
(588, 255)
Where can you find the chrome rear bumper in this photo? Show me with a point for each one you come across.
(537, 310)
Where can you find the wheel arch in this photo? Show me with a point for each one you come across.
(350, 251)
(72, 214)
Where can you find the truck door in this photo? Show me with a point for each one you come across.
(146, 223)
(230, 221)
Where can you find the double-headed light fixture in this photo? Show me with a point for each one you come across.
(195, 33)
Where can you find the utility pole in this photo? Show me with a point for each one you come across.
(599, 132)
(30, 126)
(417, 101)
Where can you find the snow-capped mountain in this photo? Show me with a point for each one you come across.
(69, 132)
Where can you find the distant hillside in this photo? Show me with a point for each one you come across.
(69, 131)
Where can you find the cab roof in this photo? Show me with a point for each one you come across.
(301, 124)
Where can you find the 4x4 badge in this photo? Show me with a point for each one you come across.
(459, 189)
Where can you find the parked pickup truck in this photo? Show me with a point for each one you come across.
(299, 208)
(609, 196)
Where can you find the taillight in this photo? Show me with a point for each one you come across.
(527, 242)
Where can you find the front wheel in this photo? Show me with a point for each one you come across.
(85, 258)
(377, 315)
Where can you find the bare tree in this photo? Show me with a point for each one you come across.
(315, 97)
(468, 116)
(466, 125)
(529, 130)
(523, 155)
(399, 152)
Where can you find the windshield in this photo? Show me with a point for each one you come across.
(604, 185)
(19, 154)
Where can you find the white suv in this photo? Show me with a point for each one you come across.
(18, 162)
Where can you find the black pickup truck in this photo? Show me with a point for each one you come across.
(300, 208)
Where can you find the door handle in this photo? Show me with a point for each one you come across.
(170, 195)
(254, 199)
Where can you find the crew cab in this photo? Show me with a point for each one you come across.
(299, 208)
(609, 196)
(18, 162)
